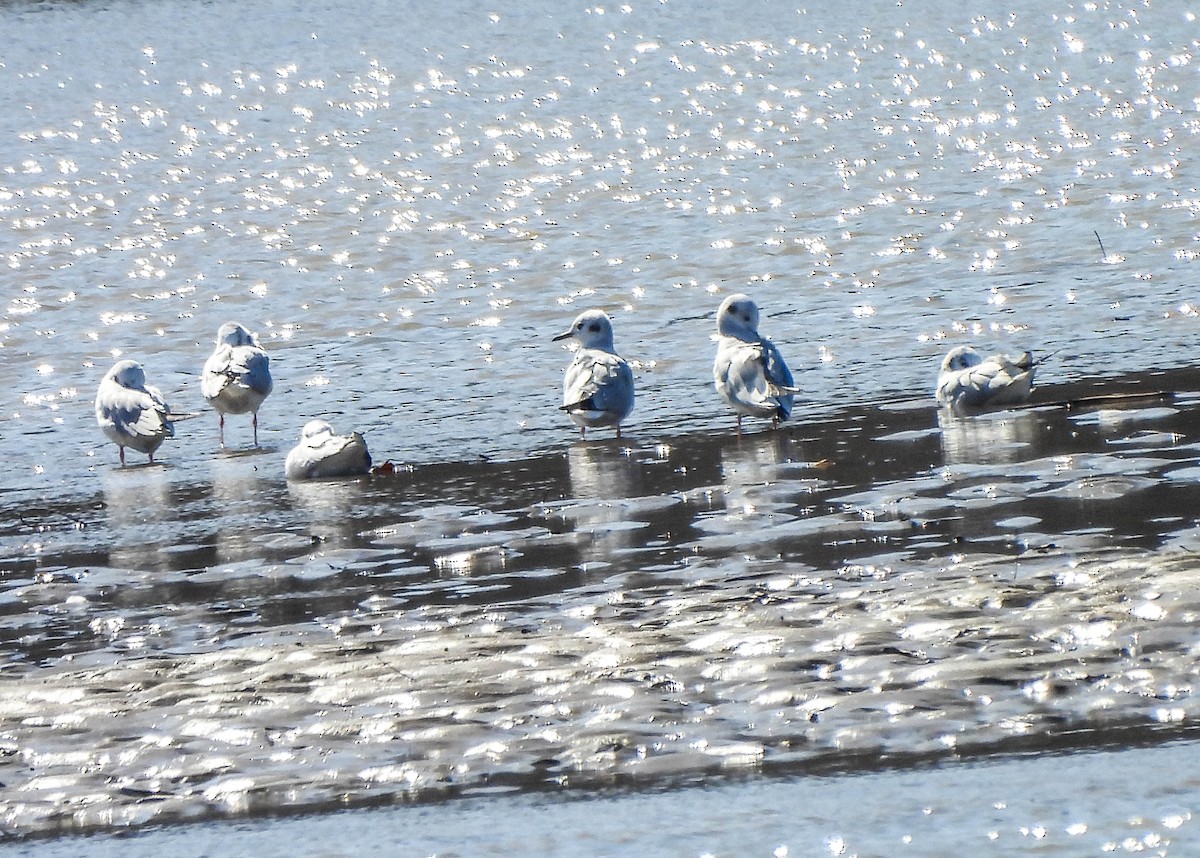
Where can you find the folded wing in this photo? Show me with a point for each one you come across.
(137, 414)
(754, 378)
(598, 381)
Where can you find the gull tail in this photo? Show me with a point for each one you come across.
(581, 405)
(1028, 361)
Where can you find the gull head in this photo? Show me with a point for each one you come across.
(233, 334)
(128, 373)
(314, 429)
(592, 329)
(960, 358)
(738, 317)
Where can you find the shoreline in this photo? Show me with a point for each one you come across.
(1087, 801)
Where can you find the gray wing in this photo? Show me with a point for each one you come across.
(244, 365)
(254, 367)
(137, 413)
(598, 381)
(779, 377)
(754, 376)
(775, 368)
(995, 381)
(217, 373)
(1012, 381)
(967, 388)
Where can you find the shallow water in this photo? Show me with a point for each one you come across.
(855, 591)
(1123, 801)
(407, 211)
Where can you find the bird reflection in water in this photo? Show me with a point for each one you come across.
(245, 502)
(140, 515)
(751, 472)
(327, 506)
(988, 439)
(604, 484)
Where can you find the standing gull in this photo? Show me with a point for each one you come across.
(321, 453)
(968, 381)
(598, 387)
(130, 412)
(237, 376)
(749, 372)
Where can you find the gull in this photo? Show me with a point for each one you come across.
(598, 386)
(132, 413)
(237, 376)
(968, 381)
(321, 453)
(749, 372)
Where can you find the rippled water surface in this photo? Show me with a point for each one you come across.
(407, 207)
(1115, 801)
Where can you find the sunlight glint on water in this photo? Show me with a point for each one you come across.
(406, 208)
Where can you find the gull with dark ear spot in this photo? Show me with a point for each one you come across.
(321, 453)
(237, 376)
(598, 386)
(132, 413)
(749, 372)
(970, 382)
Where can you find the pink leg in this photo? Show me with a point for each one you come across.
(583, 433)
(739, 426)
(122, 449)
(221, 427)
(618, 431)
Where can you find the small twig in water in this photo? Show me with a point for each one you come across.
(1103, 254)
